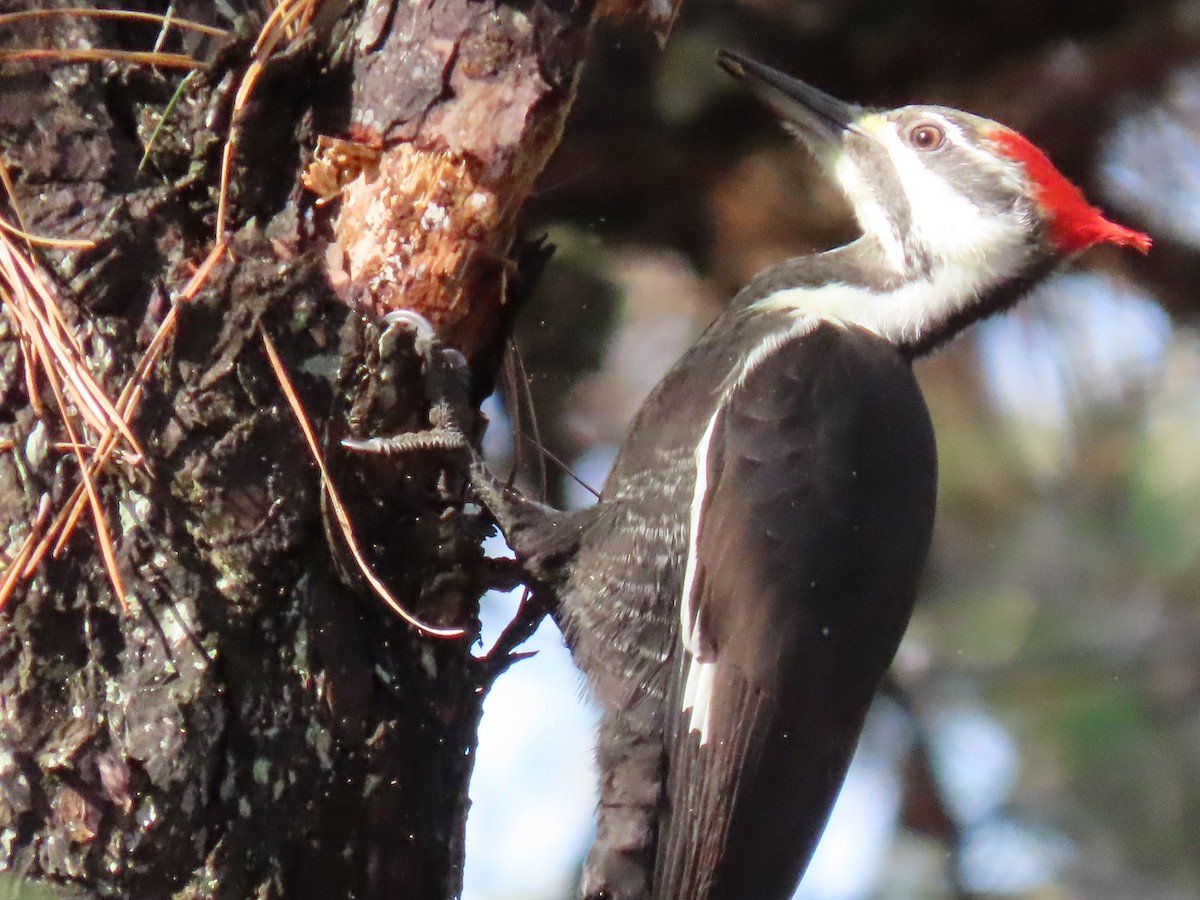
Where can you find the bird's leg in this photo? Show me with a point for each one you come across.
(446, 380)
(447, 384)
(446, 376)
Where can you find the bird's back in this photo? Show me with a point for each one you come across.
(818, 524)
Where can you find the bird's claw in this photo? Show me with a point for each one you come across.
(424, 336)
(446, 376)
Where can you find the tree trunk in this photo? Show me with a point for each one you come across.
(257, 723)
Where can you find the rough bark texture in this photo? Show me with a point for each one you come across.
(259, 724)
(467, 101)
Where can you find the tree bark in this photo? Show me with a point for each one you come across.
(258, 723)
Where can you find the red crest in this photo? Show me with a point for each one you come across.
(1073, 223)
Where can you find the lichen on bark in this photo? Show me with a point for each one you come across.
(258, 724)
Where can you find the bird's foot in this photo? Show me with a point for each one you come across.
(446, 378)
(527, 524)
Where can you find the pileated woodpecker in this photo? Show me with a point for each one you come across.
(739, 590)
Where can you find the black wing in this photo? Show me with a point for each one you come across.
(813, 525)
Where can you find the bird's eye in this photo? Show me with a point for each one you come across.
(927, 137)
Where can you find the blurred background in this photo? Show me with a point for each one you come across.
(1040, 736)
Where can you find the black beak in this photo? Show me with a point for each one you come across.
(814, 115)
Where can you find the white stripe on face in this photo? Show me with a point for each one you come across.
(950, 228)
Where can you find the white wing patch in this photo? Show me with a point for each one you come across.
(701, 674)
(697, 694)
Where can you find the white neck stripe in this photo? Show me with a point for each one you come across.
(902, 316)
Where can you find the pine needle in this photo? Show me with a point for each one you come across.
(85, 13)
(43, 241)
(100, 54)
(162, 120)
(335, 502)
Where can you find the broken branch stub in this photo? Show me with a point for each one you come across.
(465, 121)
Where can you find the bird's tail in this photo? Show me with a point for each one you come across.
(620, 861)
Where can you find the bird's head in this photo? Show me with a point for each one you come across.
(943, 197)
